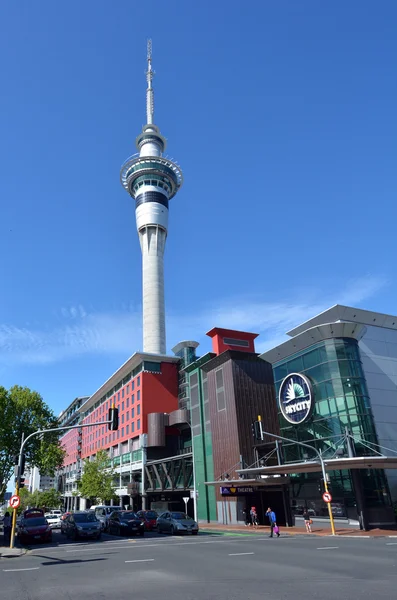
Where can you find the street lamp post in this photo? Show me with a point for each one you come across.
(279, 437)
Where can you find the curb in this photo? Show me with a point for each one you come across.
(13, 554)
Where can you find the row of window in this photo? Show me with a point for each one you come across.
(120, 433)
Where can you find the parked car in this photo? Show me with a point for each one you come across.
(149, 517)
(34, 529)
(125, 522)
(54, 521)
(54, 511)
(103, 513)
(82, 524)
(176, 522)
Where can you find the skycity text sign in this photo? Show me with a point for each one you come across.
(296, 398)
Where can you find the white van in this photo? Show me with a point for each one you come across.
(102, 513)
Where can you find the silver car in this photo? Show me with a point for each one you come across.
(176, 522)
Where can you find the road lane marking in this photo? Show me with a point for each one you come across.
(191, 543)
(328, 548)
(391, 543)
(27, 569)
(241, 553)
(140, 560)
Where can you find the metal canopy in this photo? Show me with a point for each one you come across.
(332, 464)
(272, 481)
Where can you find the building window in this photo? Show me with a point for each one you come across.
(138, 424)
(220, 390)
(118, 396)
(138, 381)
(122, 432)
(122, 393)
(138, 409)
(128, 389)
(127, 415)
(122, 418)
(132, 398)
(118, 433)
(233, 342)
(127, 402)
(127, 430)
(138, 395)
(132, 427)
(122, 406)
(132, 413)
(132, 386)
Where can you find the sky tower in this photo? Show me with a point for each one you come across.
(152, 180)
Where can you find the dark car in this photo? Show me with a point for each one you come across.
(125, 522)
(34, 529)
(82, 525)
(149, 517)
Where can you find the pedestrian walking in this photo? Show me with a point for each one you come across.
(273, 522)
(7, 527)
(308, 521)
(254, 516)
(247, 518)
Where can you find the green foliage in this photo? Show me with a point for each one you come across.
(96, 482)
(46, 499)
(23, 411)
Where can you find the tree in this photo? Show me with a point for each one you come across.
(24, 411)
(96, 483)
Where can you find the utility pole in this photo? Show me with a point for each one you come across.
(279, 437)
(113, 422)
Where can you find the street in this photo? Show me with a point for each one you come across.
(206, 567)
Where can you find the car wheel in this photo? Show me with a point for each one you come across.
(173, 530)
(141, 533)
(76, 536)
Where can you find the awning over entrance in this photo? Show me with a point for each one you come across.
(241, 483)
(332, 464)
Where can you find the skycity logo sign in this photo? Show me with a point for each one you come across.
(296, 398)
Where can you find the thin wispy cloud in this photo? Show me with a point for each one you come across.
(81, 332)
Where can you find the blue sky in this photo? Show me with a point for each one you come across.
(282, 116)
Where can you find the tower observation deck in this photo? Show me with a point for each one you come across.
(152, 180)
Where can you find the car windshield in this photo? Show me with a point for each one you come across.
(181, 516)
(128, 514)
(110, 509)
(35, 522)
(85, 518)
(151, 514)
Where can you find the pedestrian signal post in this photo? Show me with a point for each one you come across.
(320, 458)
(113, 424)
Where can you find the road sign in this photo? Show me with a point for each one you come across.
(186, 500)
(15, 501)
(327, 497)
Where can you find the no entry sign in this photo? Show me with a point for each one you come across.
(15, 501)
(327, 497)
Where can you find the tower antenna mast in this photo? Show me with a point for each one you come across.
(149, 90)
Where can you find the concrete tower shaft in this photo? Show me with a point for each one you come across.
(152, 180)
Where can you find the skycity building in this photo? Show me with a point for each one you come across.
(151, 180)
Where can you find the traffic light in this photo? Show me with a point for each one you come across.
(21, 482)
(113, 417)
(256, 430)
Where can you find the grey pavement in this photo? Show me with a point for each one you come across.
(204, 568)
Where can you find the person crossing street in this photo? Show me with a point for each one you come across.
(273, 522)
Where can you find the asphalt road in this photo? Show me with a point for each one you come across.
(204, 568)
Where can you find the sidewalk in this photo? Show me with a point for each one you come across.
(6, 552)
(318, 531)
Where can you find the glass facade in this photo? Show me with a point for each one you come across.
(341, 402)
